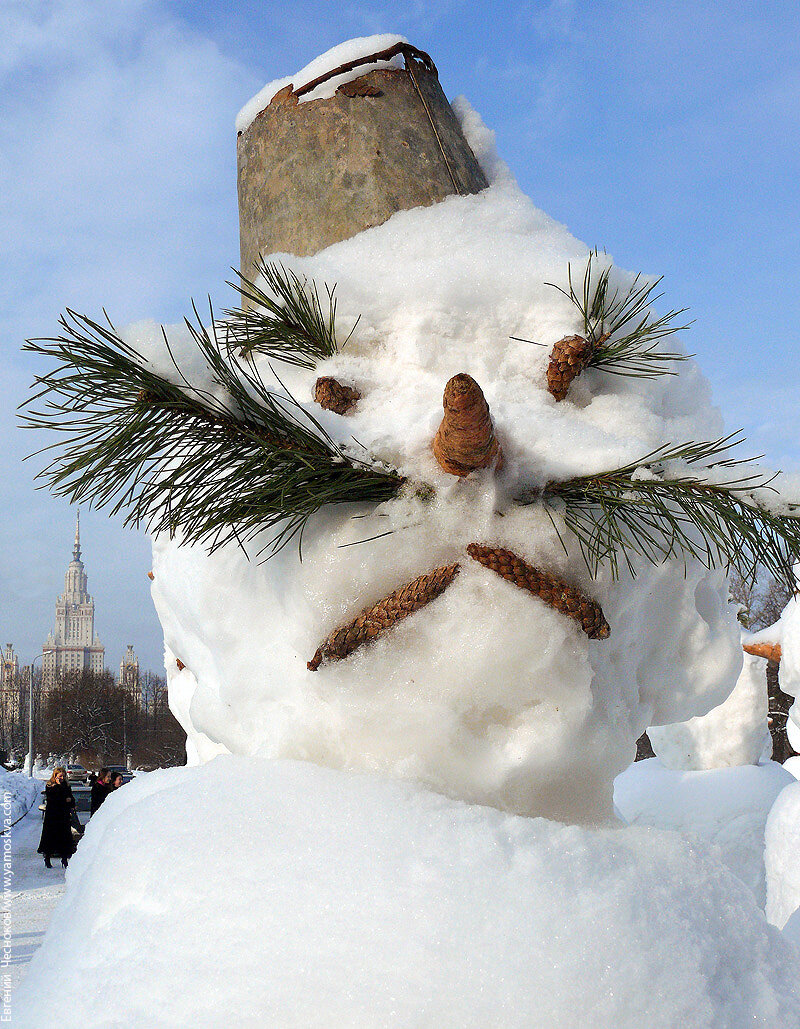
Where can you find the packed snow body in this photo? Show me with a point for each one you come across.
(788, 635)
(293, 895)
(486, 694)
(734, 733)
(726, 808)
(785, 633)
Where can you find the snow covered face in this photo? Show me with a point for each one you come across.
(486, 692)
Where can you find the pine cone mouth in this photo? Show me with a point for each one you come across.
(377, 619)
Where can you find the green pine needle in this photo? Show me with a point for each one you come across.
(621, 329)
(178, 458)
(287, 323)
(667, 505)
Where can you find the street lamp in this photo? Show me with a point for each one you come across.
(30, 718)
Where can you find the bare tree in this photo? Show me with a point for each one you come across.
(761, 602)
(86, 712)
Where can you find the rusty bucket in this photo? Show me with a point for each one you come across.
(315, 172)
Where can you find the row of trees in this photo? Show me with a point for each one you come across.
(95, 718)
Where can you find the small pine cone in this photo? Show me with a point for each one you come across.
(180, 664)
(332, 395)
(465, 439)
(568, 358)
(144, 399)
(563, 597)
(383, 615)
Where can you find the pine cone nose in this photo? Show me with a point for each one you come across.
(465, 439)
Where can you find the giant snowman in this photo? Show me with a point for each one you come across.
(351, 844)
(486, 693)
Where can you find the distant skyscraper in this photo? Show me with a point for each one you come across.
(10, 667)
(9, 694)
(129, 673)
(73, 645)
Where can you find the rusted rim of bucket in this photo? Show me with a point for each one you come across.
(406, 49)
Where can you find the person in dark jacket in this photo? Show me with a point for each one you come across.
(100, 790)
(57, 829)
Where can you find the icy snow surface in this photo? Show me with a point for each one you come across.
(255, 893)
(486, 694)
(725, 808)
(735, 733)
(352, 50)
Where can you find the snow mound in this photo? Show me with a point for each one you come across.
(19, 794)
(309, 897)
(792, 764)
(734, 733)
(725, 807)
(782, 848)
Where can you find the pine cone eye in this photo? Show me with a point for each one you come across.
(332, 395)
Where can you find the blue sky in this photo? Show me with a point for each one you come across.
(666, 132)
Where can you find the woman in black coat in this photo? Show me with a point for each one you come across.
(57, 828)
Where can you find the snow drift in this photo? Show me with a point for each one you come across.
(725, 808)
(20, 792)
(261, 893)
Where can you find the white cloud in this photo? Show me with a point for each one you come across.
(119, 154)
(117, 189)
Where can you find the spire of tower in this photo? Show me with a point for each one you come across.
(76, 550)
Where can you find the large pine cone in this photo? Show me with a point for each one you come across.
(465, 439)
(383, 615)
(560, 595)
(568, 358)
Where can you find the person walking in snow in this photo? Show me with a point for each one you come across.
(117, 780)
(57, 829)
(100, 790)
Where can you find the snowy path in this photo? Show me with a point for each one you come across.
(34, 892)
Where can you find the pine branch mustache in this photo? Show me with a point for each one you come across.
(178, 458)
(680, 501)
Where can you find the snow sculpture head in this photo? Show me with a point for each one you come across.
(485, 693)
(525, 689)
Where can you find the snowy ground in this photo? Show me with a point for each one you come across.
(33, 894)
